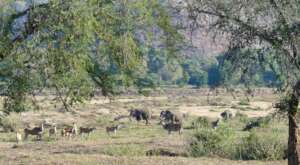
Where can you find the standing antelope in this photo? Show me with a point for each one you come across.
(113, 129)
(86, 130)
(70, 131)
(74, 129)
(18, 137)
(38, 131)
(53, 131)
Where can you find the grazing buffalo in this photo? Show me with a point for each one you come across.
(173, 127)
(226, 115)
(140, 114)
(216, 123)
(168, 116)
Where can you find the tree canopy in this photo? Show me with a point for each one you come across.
(272, 29)
(74, 46)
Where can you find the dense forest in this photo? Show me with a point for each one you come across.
(202, 71)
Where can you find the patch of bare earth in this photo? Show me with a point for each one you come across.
(71, 154)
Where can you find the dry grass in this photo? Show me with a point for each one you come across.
(132, 142)
(71, 159)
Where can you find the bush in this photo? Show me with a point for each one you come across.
(254, 147)
(201, 122)
(260, 144)
(206, 142)
(262, 122)
(11, 122)
(211, 142)
(242, 117)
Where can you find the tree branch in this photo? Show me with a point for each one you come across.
(261, 33)
(286, 29)
(60, 96)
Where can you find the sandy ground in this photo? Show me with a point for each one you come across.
(102, 106)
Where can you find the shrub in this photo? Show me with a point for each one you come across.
(206, 142)
(255, 147)
(262, 122)
(201, 122)
(242, 117)
(11, 122)
(211, 142)
(260, 144)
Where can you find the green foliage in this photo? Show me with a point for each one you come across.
(211, 142)
(196, 70)
(254, 47)
(11, 122)
(255, 147)
(242, 117)
(77, 46)
(260, 144)
(259, 71)
(201, 122)
(161, 70)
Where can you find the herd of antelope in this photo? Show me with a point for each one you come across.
(69, 131)
(169, 120)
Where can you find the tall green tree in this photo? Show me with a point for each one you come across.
(74, 46)
(272, 26)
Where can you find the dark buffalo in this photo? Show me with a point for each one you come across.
(226, 115)
(216, 123)
(257, 123)
(140, 114)
(168, 116)
(173, 127)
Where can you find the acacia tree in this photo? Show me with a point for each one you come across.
(272, 29)
(71, 45)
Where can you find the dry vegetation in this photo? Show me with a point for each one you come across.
(132, 142)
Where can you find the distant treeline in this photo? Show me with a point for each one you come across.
(202, 71)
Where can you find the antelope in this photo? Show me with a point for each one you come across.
(38, 131)
(86, 130)
(66, 132)
(69, 131)
(18, 137)
(53, 131)
(113, 129)
(74, 129)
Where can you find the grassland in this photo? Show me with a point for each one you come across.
(131, 144)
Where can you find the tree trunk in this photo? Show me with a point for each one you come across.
(294, 142)
(294, 133)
